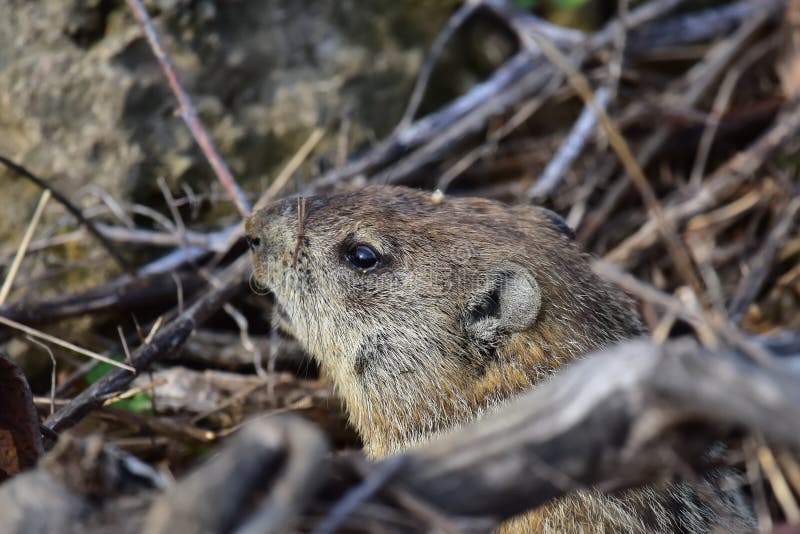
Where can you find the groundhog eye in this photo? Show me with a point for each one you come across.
(253, 242)
(362, 257)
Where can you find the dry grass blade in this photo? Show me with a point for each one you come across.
(53, 374)
(133, 391)
(65, 344)
(758, 487)
(124, 344)
(297, 159)
(779, 485)
(791, 469)
(23, 246)
(154, 330)
(789, 66)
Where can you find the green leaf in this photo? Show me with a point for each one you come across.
(100, 370)
(139, 403)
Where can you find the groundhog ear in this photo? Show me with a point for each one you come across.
(509, 302)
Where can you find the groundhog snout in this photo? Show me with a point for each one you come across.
(266, 227)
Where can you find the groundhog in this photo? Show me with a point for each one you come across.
(429, 312)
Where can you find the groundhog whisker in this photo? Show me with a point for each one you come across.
(301, 221)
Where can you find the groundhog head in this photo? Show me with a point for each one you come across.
(427, 312)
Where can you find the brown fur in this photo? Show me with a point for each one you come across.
(394, 342)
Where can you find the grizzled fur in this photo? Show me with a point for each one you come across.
(472, 302)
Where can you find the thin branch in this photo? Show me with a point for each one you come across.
(456, 21)
(518, 119)
(724, 180)
(72, 208)
(648, 293)
(538, 43)
(361, 493)
(570, 149)
(188, 112)
(720, 105)
(212, 241)
(759, 266)
(155, 290)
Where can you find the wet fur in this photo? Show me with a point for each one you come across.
(395, 343)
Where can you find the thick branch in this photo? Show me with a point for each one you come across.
(599, 422)
(123, 294)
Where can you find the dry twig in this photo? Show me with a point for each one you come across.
(70, 207)
(188, 112)
(718, 185)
